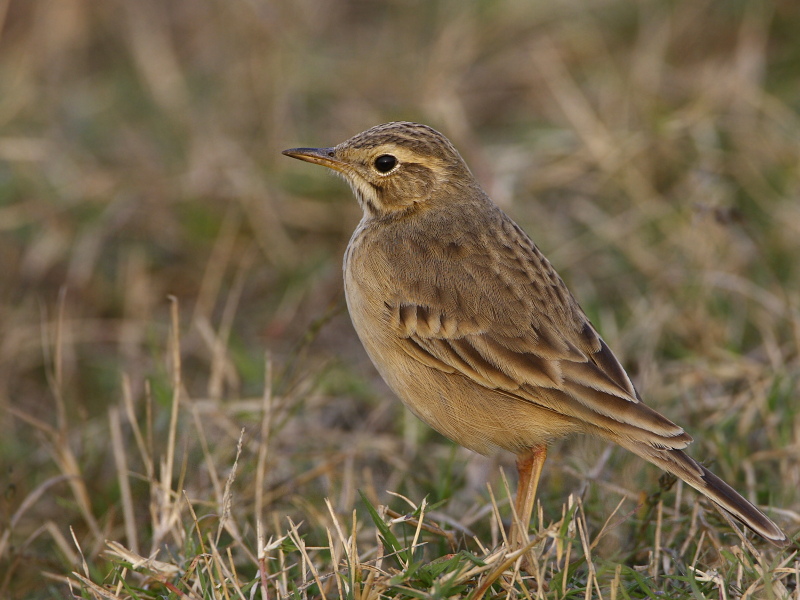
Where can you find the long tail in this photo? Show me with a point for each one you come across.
(704, 481)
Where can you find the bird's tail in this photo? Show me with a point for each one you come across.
(704, 481)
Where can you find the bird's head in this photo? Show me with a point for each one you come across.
(395, 167)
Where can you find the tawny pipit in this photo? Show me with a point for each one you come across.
(472, 328)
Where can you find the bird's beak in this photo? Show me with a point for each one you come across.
(319, 156)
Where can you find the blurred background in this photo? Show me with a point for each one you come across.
(649, 147)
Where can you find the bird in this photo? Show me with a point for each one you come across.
(473, 329)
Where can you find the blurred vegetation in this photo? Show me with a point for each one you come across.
(156, 245)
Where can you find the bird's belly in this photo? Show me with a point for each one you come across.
(468, 413)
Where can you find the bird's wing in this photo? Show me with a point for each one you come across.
(519, 330)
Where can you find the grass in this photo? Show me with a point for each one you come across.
(186, 412)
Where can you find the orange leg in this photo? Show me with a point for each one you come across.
(529, 468)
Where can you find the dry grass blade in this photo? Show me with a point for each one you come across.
(121, 461)
(137, 561)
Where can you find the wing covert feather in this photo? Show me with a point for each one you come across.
(591, 387)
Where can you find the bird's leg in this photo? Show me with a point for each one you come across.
(529, 468)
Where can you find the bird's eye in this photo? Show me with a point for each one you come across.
(385, 163)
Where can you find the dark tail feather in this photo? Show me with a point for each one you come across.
(704, 481)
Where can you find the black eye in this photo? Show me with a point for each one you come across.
(385, 163)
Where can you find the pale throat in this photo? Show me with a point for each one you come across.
(364, 193)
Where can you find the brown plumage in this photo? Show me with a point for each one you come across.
(474, 330)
